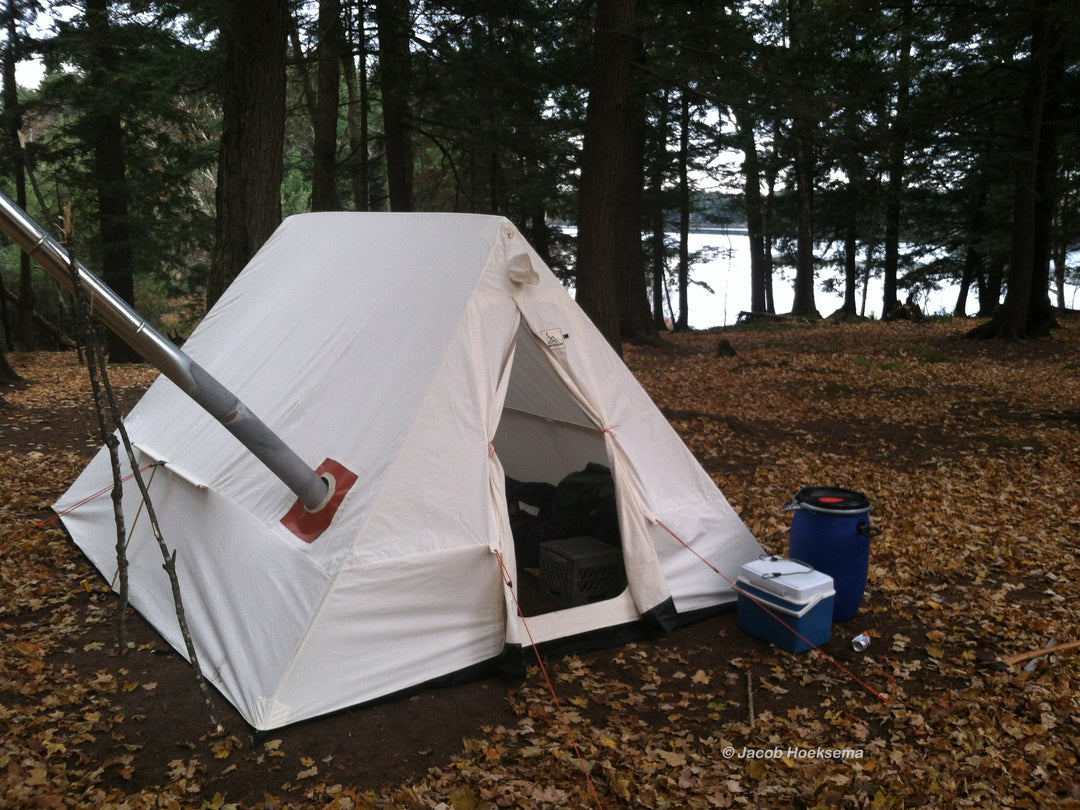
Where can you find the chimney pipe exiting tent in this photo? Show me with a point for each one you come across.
(192, 379)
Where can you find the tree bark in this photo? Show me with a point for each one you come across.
(13, 117)
(324, 193)
(109, 161)
(1026, 311)
(991, 285)
(656, 213)
(755, 213)
(803, 125)
(683, 323)
(851, 250)
(250, 162)
(610, 276)
(768, 211)
(357, 115)
(897, 150)
(803, 300)
(392, 21)
(974, 255)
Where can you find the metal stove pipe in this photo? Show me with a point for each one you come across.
(158, 350)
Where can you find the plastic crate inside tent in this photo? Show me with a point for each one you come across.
(579, 570)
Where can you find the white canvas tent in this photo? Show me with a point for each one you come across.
(431, 356)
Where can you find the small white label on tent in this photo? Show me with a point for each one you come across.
(553, 337)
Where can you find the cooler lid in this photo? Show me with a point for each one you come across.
(790, 579)
(831, 499)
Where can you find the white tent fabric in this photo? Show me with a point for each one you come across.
(431, 355)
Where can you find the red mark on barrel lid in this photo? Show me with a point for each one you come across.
(830, 499)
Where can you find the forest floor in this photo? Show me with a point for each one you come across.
(969, 452)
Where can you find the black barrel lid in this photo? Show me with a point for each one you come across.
(832, 499)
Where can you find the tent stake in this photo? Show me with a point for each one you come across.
(750, 695)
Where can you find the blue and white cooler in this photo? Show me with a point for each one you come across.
(785, 602)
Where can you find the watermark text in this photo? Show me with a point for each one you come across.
(791, 752)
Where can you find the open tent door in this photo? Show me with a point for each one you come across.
(543, 433)
(549, 445)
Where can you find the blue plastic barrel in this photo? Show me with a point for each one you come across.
(831, 532)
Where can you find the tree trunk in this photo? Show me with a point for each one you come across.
(803, 299)
(303, 70)
(13, 117)
(683, 323)
(973, 255)
(803, 124)
(392, 20)
(966, 277)
(656, 213)
(357, 116)
(851, 251)
(610, 277)
(1060, 263)
(755, 214)
(1041, 319)
(991, 285)
(768, 210)
(110, 176)
(250, 160)
(324, 193)
(871, 249)
(897, 149)
(1026, 311)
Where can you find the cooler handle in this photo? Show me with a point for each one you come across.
(775, 558)
(770, 599)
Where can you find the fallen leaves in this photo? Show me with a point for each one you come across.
(969, 453)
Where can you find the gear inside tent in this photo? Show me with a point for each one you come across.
(486, 453)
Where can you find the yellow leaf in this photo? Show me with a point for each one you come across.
(464, 799)
(273, 747)
(38, 776)
(756, 769)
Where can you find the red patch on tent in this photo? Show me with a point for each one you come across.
(308, 525)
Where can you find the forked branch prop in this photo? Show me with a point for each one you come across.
(104, 397)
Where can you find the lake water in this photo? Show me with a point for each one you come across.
(727, 273)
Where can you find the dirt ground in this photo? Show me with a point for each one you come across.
(872, 407)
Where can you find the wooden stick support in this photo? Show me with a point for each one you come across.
(1012, 660)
